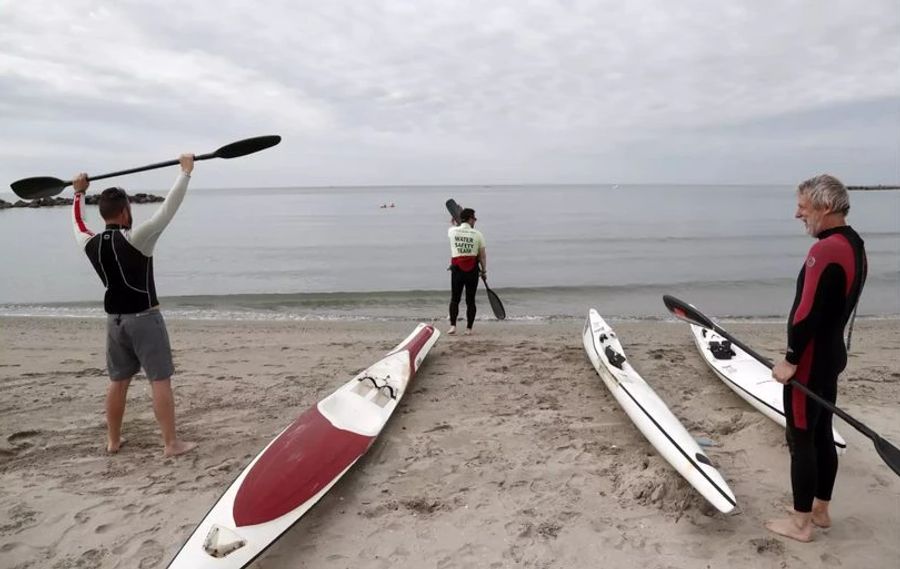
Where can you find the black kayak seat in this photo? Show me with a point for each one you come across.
(615, 358)
(721, 350)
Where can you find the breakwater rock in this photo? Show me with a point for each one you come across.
(89, 200)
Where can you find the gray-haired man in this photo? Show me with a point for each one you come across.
(828, 289)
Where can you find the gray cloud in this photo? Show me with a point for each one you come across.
(429, 91)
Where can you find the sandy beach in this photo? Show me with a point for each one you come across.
(508, 451)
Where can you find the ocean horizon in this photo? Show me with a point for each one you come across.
(553, 252)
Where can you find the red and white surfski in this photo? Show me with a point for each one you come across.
(303, 462)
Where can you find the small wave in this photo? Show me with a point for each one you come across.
(735, 299)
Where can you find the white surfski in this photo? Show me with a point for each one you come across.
(651, 415)
(746, 376)
(303, 462)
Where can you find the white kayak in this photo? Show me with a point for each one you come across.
(746, 376)
(651, 415)
(303, 462)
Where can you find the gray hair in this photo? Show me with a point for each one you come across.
(826, 192)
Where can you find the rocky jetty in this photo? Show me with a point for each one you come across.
(90, 199)
(879, 187)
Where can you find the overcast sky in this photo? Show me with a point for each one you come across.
(454, 92)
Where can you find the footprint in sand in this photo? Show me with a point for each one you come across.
(225, 466)
(880, 482)
(854, 528)
(90, 558)
(150, 554)
(24, 438)
(548, 530)
(424, 506)
(469, 555)
(380, 510)
(20, 517)
(767, 546)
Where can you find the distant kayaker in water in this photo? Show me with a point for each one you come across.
(828, 289)
(467, 253)
(136, 335)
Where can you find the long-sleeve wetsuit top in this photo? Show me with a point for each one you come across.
(123, 258)
(828, 289)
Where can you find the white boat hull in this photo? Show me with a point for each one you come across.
(651, 415)
(746, 376)
(303, 462)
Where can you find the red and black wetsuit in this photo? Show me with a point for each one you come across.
(828, 289)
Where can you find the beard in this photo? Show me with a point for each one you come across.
(812, 226)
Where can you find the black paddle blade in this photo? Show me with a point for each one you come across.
(687, 312)
(889, 453)
(39, 187)
(454, 209)
(496, 304)
(247, 146)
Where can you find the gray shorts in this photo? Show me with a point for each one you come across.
(135, 341)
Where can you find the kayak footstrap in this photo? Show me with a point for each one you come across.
(383, 386)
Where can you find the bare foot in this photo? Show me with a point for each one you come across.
(796, 526)
(178, 447)
(452, 330)
(822, 520)
(468, 332)
(820, 517)
(113, 448)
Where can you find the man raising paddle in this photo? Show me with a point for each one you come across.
(467, 252)
(136, 335)
(828, 289)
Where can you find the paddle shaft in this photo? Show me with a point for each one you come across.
(145, 168)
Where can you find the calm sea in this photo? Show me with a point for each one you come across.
(554, 251)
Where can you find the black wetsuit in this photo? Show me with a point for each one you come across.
(125, 271)
(460, 279)
(828, 288)
(122, 257)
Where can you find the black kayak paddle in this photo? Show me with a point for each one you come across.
(45, 186)
(689, 313)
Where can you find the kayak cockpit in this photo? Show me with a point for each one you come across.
(363, 407)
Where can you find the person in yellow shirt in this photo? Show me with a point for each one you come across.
(467, 252)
